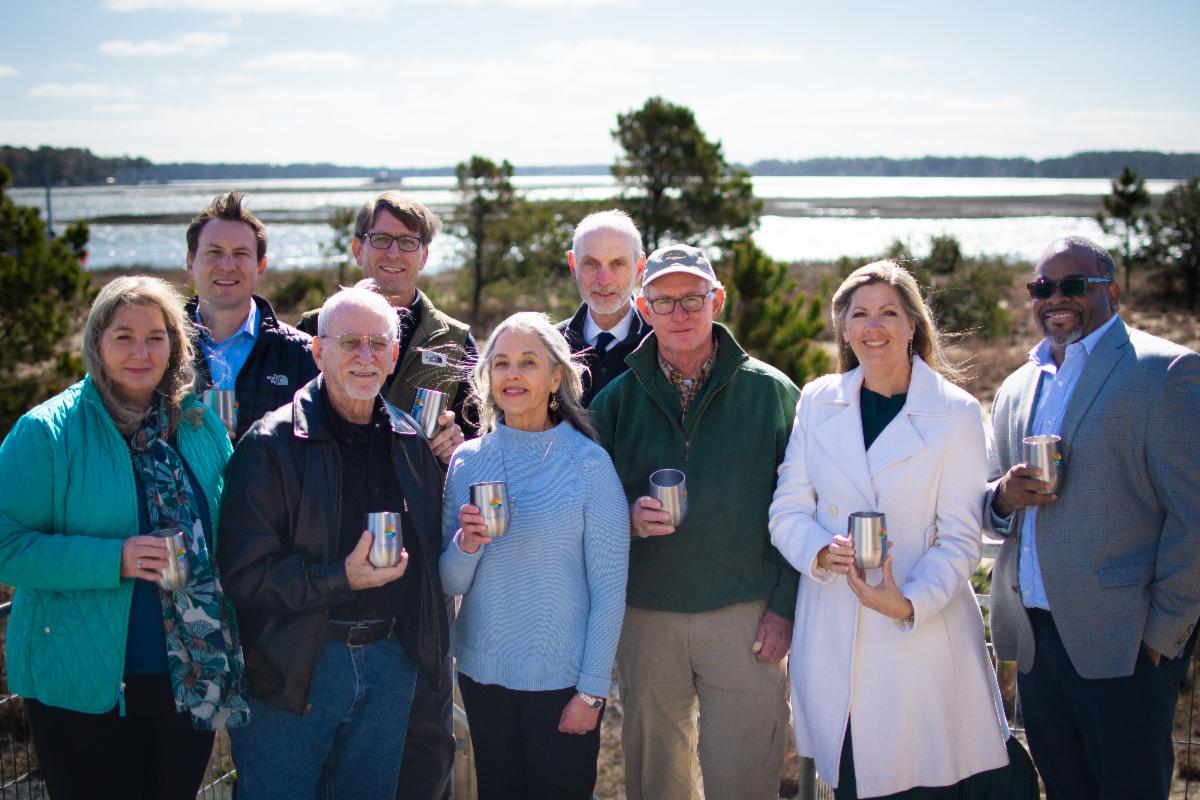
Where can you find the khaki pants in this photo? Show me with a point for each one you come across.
(674, 667)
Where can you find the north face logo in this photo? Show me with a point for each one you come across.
(278, 380)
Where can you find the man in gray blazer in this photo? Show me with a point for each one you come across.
(1098, 582)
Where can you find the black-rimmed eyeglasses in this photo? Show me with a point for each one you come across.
(382, 241)
(1070, 286)
(691, 303)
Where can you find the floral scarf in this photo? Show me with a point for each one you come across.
(204, 655)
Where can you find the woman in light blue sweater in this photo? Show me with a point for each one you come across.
(542, 605)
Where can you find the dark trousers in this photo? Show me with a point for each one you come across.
(429, 744)
(152, 753)
(1094, 739)
(1174, 671)
(519, 753)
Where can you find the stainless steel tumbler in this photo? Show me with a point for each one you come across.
(1043, 452)
(224, 403)
(388, 538)
(868, 531)
(669, 486)
(427, 407)
(175, 575)
(491, 497)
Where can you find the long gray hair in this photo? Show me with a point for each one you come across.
(570, 388)
(177, 380)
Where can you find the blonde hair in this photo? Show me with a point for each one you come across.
(179, 376)
(570, 388)
(928, 342)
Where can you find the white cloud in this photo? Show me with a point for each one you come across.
(307, 61)
(237, 7)
(891, 61)
(616, 51)
(539, 5)
(342, 7)
(7, 71)
(116, 109)
(190, 44)
(60, 91)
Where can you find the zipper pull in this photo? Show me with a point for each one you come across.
(405, 502)
(121, 698)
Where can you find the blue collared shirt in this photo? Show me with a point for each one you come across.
(1056, 385)
(226, 359)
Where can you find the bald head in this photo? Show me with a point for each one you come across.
(1085, 251)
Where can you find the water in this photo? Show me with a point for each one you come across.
(130, 224)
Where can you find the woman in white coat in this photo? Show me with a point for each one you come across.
(893, 692)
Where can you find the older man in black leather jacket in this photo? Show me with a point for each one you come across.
(333, 643)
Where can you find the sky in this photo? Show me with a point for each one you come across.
(422, 83)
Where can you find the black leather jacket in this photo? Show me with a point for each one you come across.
(278, 538)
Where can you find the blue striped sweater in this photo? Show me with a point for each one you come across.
(542, 606)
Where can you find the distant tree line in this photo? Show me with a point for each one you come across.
(68, 165)
(74, 166)
(1149, 164)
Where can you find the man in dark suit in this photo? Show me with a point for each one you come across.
(1096, 583)
(606, 260)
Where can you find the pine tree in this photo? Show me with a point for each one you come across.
(44, 291)
(676, 181)
(1123, 210)
(769, 317)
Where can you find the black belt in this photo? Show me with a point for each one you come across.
(357, 634)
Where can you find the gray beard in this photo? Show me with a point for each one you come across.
(1062, 342)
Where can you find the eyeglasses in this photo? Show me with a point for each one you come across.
(1070, 286)
(353, 342)
(691, 303)
(382, 241)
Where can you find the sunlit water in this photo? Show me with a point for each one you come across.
(290, 205)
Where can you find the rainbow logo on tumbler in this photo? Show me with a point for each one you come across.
(494, 504)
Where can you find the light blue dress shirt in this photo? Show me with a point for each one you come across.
(1056, 386)
(226, 359)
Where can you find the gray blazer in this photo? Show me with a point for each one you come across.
(1120, 547)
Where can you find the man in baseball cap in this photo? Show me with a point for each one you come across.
(710, 601)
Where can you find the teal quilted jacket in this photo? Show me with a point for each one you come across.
(67, 502)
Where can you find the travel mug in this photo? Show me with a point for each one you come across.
(175, 575)
(669, 486)
(387, 538)
(224, 403)
(427, 407)
(868, 531)
(491, 497)
(1043, 452)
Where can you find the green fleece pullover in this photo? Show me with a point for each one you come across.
(729, 446)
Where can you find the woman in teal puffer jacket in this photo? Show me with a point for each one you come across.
(124, 682)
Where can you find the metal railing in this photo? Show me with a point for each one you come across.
(19, 776)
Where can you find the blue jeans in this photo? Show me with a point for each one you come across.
(348, 743)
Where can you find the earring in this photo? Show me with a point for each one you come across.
(553, 403)
(910, 348)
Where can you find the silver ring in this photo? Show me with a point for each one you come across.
(139, 563)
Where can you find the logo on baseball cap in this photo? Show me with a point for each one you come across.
(678, 258)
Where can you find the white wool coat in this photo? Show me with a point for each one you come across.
(923, 698)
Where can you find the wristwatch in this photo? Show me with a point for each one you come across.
(593, 702)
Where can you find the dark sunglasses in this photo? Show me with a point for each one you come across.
(1070, 286)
